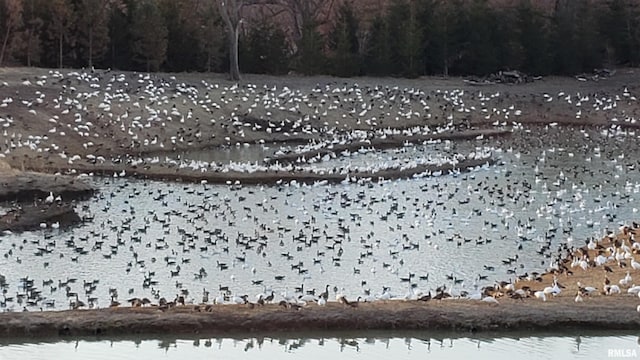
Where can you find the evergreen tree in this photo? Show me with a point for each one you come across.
(406, 48)
(149, 35)
(344, 43)
(620, 24)
(532, 33)
(591, 49)
(93, 29)
(445, 35)
(310, 58)
(479, 54)
(264, 50)
(432, 33)
(119, 54)
(183, 40)
(59, 36)
(211, 33)
(508, 54)
(28, 43)
(576, 40)
(378, 49)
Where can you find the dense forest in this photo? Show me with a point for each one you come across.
(402, 38)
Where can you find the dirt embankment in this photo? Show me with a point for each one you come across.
(276, 176)
(392, 141)
(557, 314)
(38, 199)
(30, 186)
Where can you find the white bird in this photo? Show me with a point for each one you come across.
(307, 298)
(612, 289)
(588, 289)
(626, 280)
(475, 296)
(219, 300)
(540, 295)
(385, 296)
(239, 299)
(50, 198)
(635, 289)
(552, 290)
(490, 299)
(578, 297)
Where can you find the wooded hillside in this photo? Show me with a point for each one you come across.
(339, 37)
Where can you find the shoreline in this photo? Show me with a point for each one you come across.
(274, 177)
(459, 315)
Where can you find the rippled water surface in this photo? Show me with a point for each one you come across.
(153, 239)
(345, 346)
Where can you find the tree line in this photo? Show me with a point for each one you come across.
(405, 38)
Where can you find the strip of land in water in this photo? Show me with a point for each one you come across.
(605, 313)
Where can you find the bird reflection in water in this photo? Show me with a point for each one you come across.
(167, 343)
(249, 345)
(349, 342)
(407, 342)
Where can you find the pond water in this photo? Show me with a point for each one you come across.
(153, 239)
(371, 345)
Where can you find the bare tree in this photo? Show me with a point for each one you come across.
(230, 12)
(305, 12)
(302, 13)
(13, 19)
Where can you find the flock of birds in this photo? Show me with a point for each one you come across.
(291, 243)
(98, 117)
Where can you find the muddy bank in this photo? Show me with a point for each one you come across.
(391, 141)
(31, 217)
(603, 313)
(39, 200)
(32, 186)
(173, 173)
